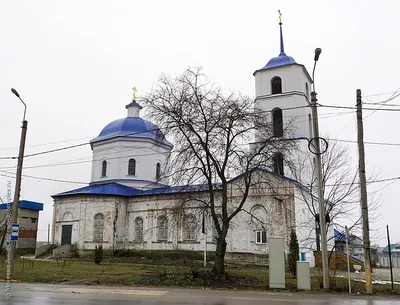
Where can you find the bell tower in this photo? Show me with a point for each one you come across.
(283, 93)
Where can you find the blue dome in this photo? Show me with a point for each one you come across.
(281, 60)
(131, 127)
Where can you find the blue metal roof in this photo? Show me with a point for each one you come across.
(114, 189)
(131, 127)
(178, 189)
(282, 59)
(25, 204)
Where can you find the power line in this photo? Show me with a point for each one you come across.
(54, 150)
(48, 143)
(129, 134)
(372, 143)
(353, 108)
(384, 102)
(42, 178)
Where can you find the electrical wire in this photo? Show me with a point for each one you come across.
(42, 178)
(353, 108)
(366, 142)
(384, 103)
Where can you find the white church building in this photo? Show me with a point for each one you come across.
(127, 206)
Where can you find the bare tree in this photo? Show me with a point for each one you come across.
(341, 188)
(211, 133)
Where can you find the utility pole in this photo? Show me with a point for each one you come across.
(14, 209)
(363, 191)
(321, 201)
(390, 257)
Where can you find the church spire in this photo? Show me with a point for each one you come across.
(280, 25)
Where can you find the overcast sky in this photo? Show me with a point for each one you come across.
(75, 62)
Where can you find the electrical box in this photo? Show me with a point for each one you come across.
(276, 263)
(303, 276)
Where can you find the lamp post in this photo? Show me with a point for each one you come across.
(14, 209)
(321, 202)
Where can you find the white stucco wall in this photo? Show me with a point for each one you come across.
(274, 213)
(117, 153)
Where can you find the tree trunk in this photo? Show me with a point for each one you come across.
(219, 266)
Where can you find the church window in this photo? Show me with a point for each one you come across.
(104, 168)
(261, 237)
(162, 224)
(138, 229)
(158, 171)
(132, 167)
(190, 228)
(278, 163)
(98, 228)
(276, 85)
(277, 122)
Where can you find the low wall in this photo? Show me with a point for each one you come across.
(42, 250)
(337, 261)
(63, 252)
(247, 258)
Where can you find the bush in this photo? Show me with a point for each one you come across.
(293, 253)
(98, 254)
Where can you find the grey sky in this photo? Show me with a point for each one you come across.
(75, 62)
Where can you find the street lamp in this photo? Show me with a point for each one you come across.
(14, 210)
(321, 202)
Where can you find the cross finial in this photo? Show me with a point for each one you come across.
(134, 93)
(280, 17)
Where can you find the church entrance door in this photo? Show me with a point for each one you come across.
(66, 234)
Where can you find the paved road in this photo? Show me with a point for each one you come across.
(35, 294)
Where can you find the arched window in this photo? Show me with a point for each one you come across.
(162, 225)
(258, 222)
(132, 167)
(307, 92)
(158, 171)
(310, 123)
(104, 168)
(276, 85)
(277, 122)
(189, 228)
(278, 163)
(98, 228)
(138, 229)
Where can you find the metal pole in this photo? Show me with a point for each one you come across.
(17, 193)
(390, 257)
(14, 209)
(363, 191)
(205, 236)
(348, 257)
(48, 234)
(205, 250)
(321, 204)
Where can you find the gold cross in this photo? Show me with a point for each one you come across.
(134, 93)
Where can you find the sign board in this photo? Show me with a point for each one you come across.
(14, 231)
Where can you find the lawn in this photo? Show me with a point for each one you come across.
(161, 273)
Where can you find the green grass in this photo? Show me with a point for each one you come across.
(161, 273)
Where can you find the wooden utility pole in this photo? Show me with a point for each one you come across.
(363, 191)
